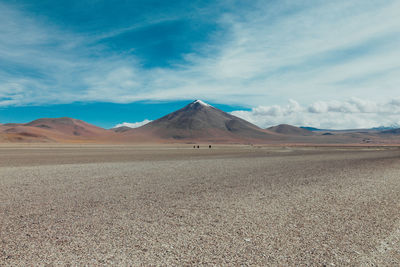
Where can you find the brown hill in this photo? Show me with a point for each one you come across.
(290, 130)
(18, 133)
(68, 126)
(198, 122)
(54, 130)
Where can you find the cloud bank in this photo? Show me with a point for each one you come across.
(353, 113)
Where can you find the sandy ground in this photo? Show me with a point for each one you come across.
(122, 205)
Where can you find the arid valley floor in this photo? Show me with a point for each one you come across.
(229, 205)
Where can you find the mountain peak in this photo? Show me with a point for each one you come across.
(201, 103)
(199, 121)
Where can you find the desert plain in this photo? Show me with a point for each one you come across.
(174, 205)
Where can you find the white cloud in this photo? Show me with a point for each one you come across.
(354, 105)
(133, 124)
(349, 114)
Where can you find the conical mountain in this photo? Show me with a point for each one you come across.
(199, 121)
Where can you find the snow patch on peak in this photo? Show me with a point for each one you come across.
(201, 103)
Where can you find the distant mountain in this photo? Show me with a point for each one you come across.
(290, 130)
(384, 128)
(311, 129)
(68, 126)
(392, 131)
(53, 130)
(366, 130)
(121, 129)
(199, 121)
(195, 123)
(18, 133)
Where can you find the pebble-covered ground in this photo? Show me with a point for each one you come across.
(184, 206)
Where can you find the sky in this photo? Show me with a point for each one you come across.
(326, 64)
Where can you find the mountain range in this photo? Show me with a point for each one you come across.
(197, 122)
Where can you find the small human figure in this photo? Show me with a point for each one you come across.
(209, 146)
(194, 146)
(198, 146)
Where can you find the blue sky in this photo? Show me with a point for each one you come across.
(330, 64)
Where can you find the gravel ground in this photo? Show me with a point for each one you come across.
(177, 206)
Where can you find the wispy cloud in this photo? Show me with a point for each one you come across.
(269, 52)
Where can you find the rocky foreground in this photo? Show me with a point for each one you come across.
(95, 205)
